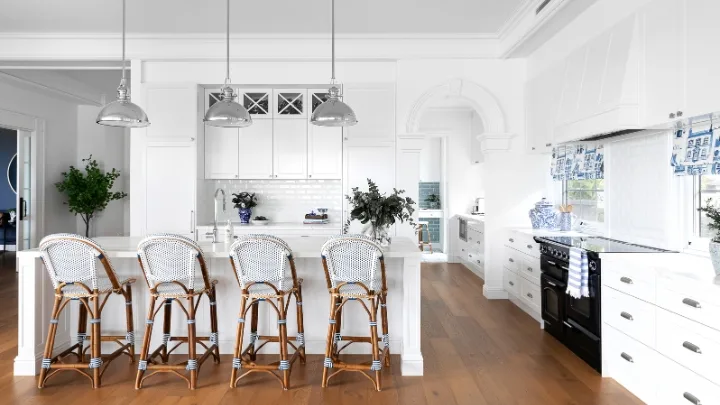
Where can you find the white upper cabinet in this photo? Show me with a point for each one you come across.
(703, 59)
(290, 148)
(221, 153)
(172, 110)
(170, 171)
(289, 103)
(374, 107)
(542, 97)
(255, 152)
(324, 143)
(431, 160)
(258, 102)
(665, 41)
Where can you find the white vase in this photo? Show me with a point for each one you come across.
(715, 256)
(380, 234)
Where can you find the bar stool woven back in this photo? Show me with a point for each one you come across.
(72, 264)
(355, 271)
(265, 271)
(169, 263)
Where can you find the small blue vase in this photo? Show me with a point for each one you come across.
(245, 214)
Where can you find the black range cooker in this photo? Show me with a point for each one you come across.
(576, 322)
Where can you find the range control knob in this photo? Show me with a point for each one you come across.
(564, 255)
(592, 266)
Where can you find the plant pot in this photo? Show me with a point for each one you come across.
(380, 234)
(245, 214)
(715, 256)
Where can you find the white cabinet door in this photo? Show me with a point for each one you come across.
(324, 152)
(290, 148)
(374, 107)
(542, 100)
(664, 59)
(255, 150)
(221, 153)
(289, 103)
(430, 160)
(172, 111)
(170, 170)
(703, 84)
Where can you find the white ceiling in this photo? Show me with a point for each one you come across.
(258, 16)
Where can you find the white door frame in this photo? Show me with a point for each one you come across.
(35, 128)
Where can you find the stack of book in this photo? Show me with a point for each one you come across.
(313, 219)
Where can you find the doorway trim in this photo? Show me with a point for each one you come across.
(35, 128)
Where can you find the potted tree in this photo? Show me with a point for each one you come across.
(244, 202)
(90, 192)
(712, 212)
(378, 212)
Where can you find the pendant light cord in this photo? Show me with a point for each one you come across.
(333, 41)
(123, 41)
(227, 44)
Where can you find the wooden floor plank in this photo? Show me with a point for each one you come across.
(476, 352)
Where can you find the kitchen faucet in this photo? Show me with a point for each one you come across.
(215, 228)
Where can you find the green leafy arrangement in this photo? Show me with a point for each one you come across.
(713, 213)
(433, 200)
(378, 209)
(89, 193)
(244, 200)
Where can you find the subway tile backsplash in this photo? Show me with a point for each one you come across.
(279, 200)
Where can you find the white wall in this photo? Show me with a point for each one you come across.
(107, 145)
(60, 117)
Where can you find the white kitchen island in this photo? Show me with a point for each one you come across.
(402, 259)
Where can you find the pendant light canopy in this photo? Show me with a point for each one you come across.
(122, 112)
(226, 112)
(333, 112)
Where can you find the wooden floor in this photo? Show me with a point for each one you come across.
(476, 352)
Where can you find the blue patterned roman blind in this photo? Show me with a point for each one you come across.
(581, 161)
(696, 150)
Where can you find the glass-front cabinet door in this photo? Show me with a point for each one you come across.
(289, 103)
(317, 97)
(258, 102)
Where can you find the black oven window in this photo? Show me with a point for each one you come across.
(581, 306)
(552, 304)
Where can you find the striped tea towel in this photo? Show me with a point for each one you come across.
(577, 285)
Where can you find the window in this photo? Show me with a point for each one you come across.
(704, 188)
(587, 198)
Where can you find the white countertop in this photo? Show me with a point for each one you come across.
(303, 247)
(471, 217)
(548, 232)
(278, 225)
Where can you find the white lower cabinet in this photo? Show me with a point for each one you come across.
(678, 385)
(521, 260)
(630, 363)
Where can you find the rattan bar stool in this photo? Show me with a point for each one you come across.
(265, 271)
(355, 271)
(71, 260)
(168, 262)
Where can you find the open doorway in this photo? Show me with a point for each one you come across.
(16, 189)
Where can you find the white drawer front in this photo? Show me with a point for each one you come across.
(690, 306)
(526, 244)
(475, 258)
(689, 343)
(511, 283)
(641, 288)
(530, 294)
(529, 268)
(631, 363)
(512, 259)
(678, 385)
(629, 315)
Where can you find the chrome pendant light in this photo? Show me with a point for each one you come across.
(226, 112)
(122, 112)
(333, 112)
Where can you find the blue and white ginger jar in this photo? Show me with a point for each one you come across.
(543, 216)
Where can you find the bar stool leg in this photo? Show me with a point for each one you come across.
(49, 342)
(96, 340)
(301, 324)
(192, 357)
(386, 333)
(282, 326)
(253, 330)
(338, 326)
(329, 342)
(82, 329)
(142, 363)
(214, 325)
(167, 323)
(376, 365)
(129, 322)
(239, 335)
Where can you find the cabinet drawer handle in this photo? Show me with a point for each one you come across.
(529, 246)
(626, 280)
(530, 269)
(692, 347)
(626, 316)
(529, 295)
(478, 242)
(511, 240)
(511, 260)
(627, 357)
(692, 398)
(548, 144)
(691, 302)
(511, 283)
(470, 238)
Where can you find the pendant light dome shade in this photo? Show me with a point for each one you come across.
(333, 112)
(122, 112)
(227, 113)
